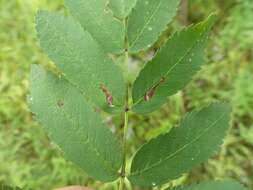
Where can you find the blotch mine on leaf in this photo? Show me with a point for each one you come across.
(149, 94)
(108, 95)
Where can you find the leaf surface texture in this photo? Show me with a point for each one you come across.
(74, 126)
(122, 8)
(80, 58)
(172, 68)
(168, 156)
(147, 21)
(97, 18)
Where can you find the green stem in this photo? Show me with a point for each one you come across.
(121, 184)
(123, 169)
(125, 139)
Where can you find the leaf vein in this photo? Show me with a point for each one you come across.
(146, 24)
(180, 149)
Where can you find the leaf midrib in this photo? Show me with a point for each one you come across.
(69, 47)
(102, 27)
(146, 24)
(89, 143)
(92, 147)
(179, 150)
(168, 72)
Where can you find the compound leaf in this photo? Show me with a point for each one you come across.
(122, 8)
(168, 156)
(81, 59)
(215, 185)
(172, 68)
(97, 18)
(147, 21)
(74, 126)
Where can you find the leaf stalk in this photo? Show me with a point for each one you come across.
(126, 117)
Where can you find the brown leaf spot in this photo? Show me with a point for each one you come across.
(149, 94)
(108, 95)
(60, 103)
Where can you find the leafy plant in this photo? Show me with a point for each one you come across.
(68, 101)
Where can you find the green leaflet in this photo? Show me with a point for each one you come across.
(74, 126)
(172, 68)
(97, 18)
(168, 156)
(80, 58)
(5, 187)
(147, 21)
(215, 185)
(122, 8)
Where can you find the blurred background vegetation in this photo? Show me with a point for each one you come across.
(27, 157)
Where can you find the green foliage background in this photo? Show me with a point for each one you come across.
(28, 159)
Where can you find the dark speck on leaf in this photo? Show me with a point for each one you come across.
(33, 115)
(60, 103)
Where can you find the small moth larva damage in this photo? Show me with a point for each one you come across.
(60, 103)
(108, 95)
(149, 94)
